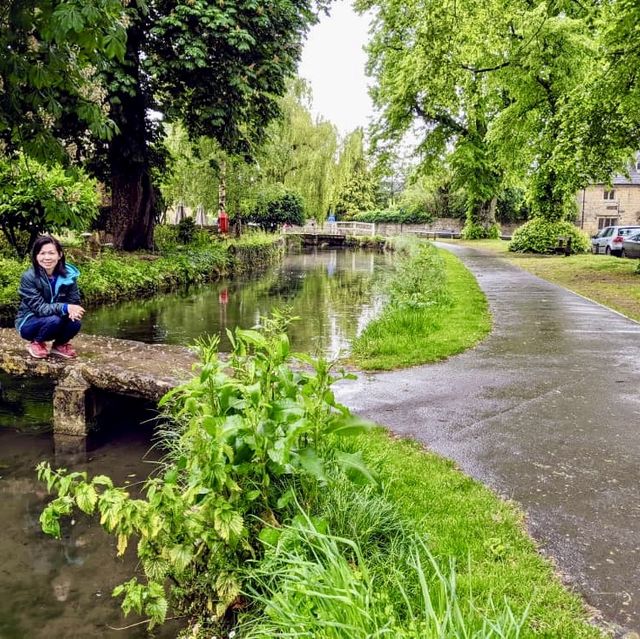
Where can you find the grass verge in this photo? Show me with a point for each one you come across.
(495, 558)
(611, 281)
(406, 335)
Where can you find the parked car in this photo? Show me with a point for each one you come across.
(631, 246)
(609, 240)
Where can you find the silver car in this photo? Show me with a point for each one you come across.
(631, 246)
(609, 240)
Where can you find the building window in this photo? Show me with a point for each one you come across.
(607, 221)
(609, 195)
(638, 165)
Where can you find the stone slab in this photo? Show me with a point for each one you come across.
(127, 367)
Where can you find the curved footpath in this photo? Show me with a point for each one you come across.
(547, 412)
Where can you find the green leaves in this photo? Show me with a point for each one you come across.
(36, 198)
(252, 430)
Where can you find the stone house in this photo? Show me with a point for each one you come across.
(618, 203)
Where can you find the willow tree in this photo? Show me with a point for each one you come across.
(354, 188)
(299, 153)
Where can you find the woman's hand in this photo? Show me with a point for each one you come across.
(75, 312)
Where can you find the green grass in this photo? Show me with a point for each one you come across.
(611, 281)
(463, 520)
(406, 336)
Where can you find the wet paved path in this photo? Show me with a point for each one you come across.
(547, 412)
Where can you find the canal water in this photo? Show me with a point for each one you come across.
(61, 589)
(334, 292)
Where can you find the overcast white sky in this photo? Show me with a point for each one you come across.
(333, 61)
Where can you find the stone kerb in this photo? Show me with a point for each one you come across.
(125, 367)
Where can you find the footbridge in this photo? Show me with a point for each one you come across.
(330, 233)
(125, 367)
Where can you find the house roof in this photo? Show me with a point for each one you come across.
(632, 178)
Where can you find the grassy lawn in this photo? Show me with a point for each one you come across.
(408, 337)
(611, 281)
(494, 557)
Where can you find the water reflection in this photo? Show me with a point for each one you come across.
(62, 588)
(334, 292)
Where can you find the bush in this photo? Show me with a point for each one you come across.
(273, 210)
(541, 236)
(186, 230)
(473, 231)
(35, 198)
(165, 236)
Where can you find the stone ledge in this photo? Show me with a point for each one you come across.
(122, 366)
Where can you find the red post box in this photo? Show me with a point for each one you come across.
(223, 222)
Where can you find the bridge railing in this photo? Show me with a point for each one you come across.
(333, 228)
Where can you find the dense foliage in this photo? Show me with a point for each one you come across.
(35, 198)
(52, 53)
(541, 236)
(276, 208)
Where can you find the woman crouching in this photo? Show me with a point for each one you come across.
(49, 301)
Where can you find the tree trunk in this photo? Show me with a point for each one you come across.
(131, 220)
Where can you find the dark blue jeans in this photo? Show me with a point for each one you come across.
(51, 327)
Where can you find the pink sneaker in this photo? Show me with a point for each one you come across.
(63, 350)
(38, 350)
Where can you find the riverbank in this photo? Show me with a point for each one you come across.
(314, 524)
(436, 309)
(112, 276)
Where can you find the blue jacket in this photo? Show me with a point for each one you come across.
(38, 299)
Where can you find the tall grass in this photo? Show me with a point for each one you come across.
(436, 310)
(315, 584)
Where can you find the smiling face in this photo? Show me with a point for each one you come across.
(48, 258)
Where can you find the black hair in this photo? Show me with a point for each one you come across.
(43, 240)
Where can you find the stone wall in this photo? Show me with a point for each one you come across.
(594, 211)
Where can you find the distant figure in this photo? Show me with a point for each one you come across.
(49, 301)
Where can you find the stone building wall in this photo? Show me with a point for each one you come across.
(620, 207)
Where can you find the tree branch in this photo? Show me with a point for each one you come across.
(441, 118)
(486, 69)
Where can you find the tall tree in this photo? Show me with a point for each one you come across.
(354, 186)
(428, 59)
(218, 67)
(498, 82)
(553, 56)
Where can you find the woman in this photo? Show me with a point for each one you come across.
(49, 301)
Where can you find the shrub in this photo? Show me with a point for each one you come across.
(35, 198)
(541, 236)
(186, 230)
(165, 236)
(473, 231)
(275, 209)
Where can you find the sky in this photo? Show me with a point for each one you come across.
(333, 61)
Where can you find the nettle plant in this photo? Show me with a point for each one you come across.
(246, 438)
